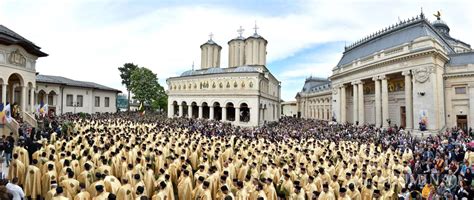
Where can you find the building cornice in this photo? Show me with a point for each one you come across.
(391, 60)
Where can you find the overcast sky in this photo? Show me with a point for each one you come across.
(88, 39)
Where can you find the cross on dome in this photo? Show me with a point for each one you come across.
(240, 31)
(255, 27)
(210, 36)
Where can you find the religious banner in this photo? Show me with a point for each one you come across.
(2, 113)
(41, 109)
(423, 119)
(8, 115)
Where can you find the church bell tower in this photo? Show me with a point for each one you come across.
(236, 50)
(255, 49)
(210, 54)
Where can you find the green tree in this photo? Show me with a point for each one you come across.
(146, 88)
(126, 73)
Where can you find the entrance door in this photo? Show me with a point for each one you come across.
(403, 117)
(462, 122)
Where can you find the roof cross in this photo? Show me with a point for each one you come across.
(210, 36)
(256, 27)
(240, 31)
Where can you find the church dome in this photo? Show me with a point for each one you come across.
(245, 69)
(189, 73)
(214, 70)
(211, 42)
(441, 26)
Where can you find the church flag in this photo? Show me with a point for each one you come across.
(44, 110)
(38, 109)
(8, 114)
(2, 113)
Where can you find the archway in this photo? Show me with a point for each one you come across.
(51, 98)
(175, 108)
(184, 106)
(244, 112)
(205, 110)
(41, 97)
(194, 110)
(230, 112)
(217, 111)
(15, 83)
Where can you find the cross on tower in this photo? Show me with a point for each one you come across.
(256, 27)
(210, 36)
(240, 31)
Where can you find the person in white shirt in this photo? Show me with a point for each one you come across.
(15, 190)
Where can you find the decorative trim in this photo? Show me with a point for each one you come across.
(16, 58)
(422, 74)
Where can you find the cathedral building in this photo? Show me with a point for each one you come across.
(412, 74)
(244, 94)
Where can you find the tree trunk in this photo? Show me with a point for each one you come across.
(128, 102)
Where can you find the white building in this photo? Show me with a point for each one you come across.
(413, 74)
(314, 99)
(245, 93)
(21, 86)
(289, 109)
(65, 95)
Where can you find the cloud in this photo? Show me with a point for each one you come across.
(88, 40)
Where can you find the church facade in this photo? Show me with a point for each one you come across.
(412, 74)
(244, 94)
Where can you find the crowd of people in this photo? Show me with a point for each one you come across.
(130, 156)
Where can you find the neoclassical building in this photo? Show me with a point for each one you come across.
(245, 94)
(314, 99)
(22, 86)
(413, 74)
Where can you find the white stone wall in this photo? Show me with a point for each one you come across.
(421, 61)
(289, 109)
(60, 101)
(256, 89)
(315, 105)
(251, 101)
(459, 104)
(24, 71)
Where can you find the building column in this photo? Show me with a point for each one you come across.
(361, 103)
(11, 95)
(317, 111)
(378, 103)
(408, 100)
(170, 110)
(200, 112)
(23, 98)
(190, 111)
(224, 114)
(323, 114)
(355, 104)
(385, 116)
(343, 104)
(180, 113)
(211, 112)
(4, 94)
(46, 96)
(32, 100)
(237, 114)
